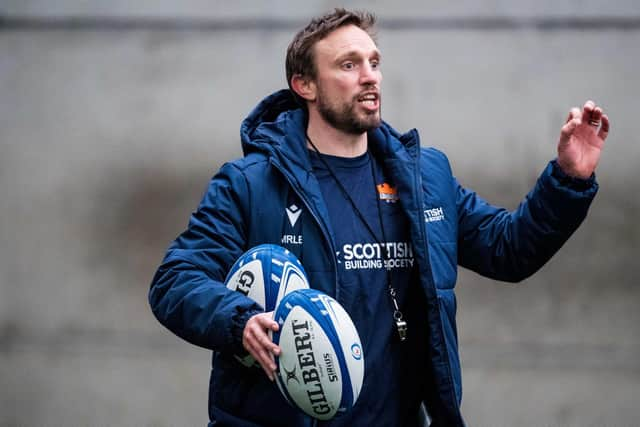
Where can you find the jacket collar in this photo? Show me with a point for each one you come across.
(277, 125)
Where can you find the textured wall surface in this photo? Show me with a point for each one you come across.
(109, 134)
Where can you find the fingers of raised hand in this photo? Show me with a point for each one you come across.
(604, 129)
(587, 109)
(574, 114)
(573, 121)
(591, 113)
(594, 116)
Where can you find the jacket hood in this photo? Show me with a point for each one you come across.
(277, 126)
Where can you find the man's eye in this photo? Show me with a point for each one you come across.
(375, 64)
(348, 65)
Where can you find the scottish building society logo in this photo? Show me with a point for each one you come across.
(434, 215)
(370, 256)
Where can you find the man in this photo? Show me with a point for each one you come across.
(378, 223)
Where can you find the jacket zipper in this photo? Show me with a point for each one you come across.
(325, 234)
(299, 193)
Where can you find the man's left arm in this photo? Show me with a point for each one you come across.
(511, 246)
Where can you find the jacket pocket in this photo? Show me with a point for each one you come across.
(240, 395)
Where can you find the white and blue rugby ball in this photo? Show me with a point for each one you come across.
(266, 273)
(321, 366)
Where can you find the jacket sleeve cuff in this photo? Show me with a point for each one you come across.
(572, 183)
(238, 323)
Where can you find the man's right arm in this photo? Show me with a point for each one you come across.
(187, 293)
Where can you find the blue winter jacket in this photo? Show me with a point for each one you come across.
(449, 226)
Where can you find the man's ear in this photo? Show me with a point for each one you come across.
(304, 87)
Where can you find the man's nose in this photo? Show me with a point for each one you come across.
(370, 75)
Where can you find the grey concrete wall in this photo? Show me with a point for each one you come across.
(108, 139)
(292, 9)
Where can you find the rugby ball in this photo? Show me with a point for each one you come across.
(266, 273)
(321, 365)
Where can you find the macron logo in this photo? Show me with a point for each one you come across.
(433, 215)
(293, 212)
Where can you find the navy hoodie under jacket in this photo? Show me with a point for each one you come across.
(245, 204)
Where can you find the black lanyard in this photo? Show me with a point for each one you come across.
(401, 325)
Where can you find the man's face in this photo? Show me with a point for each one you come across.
(348, 80)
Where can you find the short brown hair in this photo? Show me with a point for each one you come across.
(300, 58)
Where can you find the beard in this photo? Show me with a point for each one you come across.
(345, 117)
